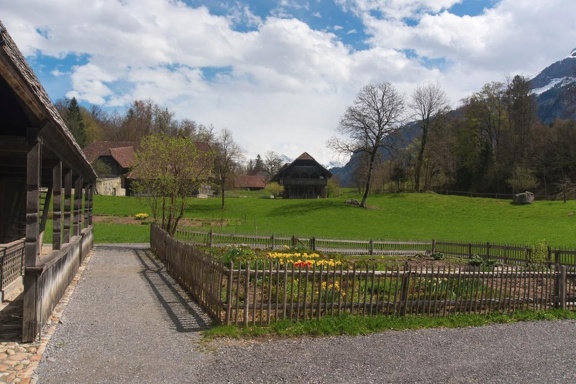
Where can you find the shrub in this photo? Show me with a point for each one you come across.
(141, 216)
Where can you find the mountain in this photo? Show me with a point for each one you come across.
(555, 90)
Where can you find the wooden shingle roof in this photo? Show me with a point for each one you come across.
(103, 148)
(250, 181)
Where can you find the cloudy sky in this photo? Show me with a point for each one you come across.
(280, 73)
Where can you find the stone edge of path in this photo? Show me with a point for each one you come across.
(26, 374)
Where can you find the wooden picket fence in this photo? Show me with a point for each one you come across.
(508, 254)
(260, 292)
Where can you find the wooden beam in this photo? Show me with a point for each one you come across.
(87, 210)
(67, 205)
(57, 206)
(33, 161)
(77, 205)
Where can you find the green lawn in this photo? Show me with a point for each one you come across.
(393, 216)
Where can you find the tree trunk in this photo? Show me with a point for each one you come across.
(369, 177)
(420, 158)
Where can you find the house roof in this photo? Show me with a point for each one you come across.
(124, 156)
(250, 181)
(305, 156)
(25, 104)
(111, 148)
(303, 160)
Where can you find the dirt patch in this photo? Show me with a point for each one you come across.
(130, 220)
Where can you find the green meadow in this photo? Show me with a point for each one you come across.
(392, 217)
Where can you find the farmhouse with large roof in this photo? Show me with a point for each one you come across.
(304, 178)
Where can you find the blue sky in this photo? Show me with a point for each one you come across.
(280, 73)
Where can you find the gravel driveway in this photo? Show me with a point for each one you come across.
(127, 322)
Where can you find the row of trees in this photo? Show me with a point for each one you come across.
(494, 143)
(174, 159)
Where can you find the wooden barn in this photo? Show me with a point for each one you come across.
(44, 176)
(113, 161)
(304, 178)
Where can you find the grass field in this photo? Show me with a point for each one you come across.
(393, 216)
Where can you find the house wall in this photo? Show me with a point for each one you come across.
(110, 187)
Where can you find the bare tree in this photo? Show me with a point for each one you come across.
(429, 103)
(369, 123)
(227, 161)
(272, 163)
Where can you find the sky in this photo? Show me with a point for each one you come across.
(279, 74)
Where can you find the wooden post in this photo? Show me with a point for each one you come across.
(433, 251)
(562, 290)
(371, 247)
(30, 321)
(272, 242)
(33, 177)
(91, 202)
(57, 206)
(86, 208)
(404, 289)
(77, 204)
(313, 244)
(67, 205)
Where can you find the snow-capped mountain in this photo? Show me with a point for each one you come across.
(555, 90)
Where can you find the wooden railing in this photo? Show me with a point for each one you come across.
(262, 291)
(11, 262)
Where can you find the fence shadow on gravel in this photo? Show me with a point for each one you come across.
(179, 307)
(262, 291)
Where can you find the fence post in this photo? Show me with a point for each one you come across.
(371, 250)
(294, 241)
(562, 287)
(313, 244)
(272, 241)
(487, 250)
(404, 289)
(528, 255)
(229, 292)
(433, 251)
(470, 250)
(210, 238)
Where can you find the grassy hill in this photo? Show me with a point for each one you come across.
(394, 216)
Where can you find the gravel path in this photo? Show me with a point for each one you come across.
(127, 323)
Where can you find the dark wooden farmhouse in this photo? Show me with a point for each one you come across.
(304, 178)
(42, 168)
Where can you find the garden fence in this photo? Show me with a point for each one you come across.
(504, 253)
(260, 292)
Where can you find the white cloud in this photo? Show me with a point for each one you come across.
(284, 84)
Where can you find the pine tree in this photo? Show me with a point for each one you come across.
(75, 122)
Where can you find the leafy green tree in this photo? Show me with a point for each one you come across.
(522, 179)
(273, 189)
(169, 170)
